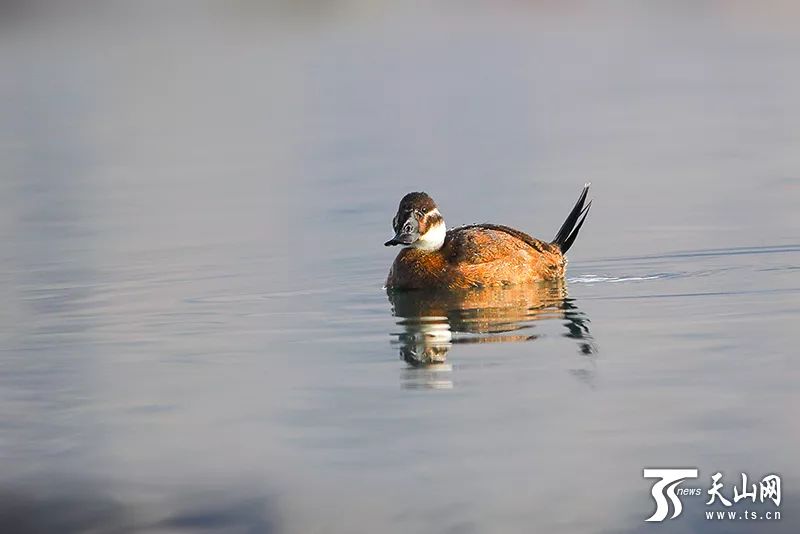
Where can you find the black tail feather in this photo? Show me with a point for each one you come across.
(569, 230)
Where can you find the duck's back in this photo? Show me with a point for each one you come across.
(479, 255)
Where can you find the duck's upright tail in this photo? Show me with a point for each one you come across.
(569, 230)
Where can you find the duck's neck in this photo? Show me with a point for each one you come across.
(433, 239)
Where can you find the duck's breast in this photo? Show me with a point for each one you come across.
(415, 269)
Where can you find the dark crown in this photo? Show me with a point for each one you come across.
(416, 201)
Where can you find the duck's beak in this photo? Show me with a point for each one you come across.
(400, 239)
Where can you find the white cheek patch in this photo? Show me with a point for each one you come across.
(433, 239)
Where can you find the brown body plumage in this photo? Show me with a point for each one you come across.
(481, 255)
(478, 256)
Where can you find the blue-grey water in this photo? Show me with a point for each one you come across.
(194, 336)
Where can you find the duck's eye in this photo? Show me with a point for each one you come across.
(407, 228)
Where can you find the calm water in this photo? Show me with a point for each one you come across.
(195, 338)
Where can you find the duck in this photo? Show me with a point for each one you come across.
(475, 255)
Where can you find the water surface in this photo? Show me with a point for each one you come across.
(195, 336)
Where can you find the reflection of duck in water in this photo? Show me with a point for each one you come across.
(436, 320)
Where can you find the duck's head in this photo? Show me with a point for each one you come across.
(418, 223)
